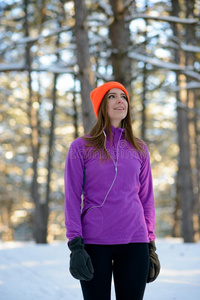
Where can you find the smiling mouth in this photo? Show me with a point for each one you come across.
(119, 108)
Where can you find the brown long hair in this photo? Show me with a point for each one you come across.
(95, 138)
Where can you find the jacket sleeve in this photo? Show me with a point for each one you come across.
(73, 180)
(146, 195)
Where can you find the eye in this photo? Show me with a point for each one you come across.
(124, 97)
(111, 96)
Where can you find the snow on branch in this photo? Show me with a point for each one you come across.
(166, 65)
(128, 3)
(191, 74)
(105, 77)
(182, 46)
(188, 86)
(99, 20)
(28, 39)
(171, 19)
(186, 108)
(56, 69)
(105, 7)
(45, 35)
(12, 67)
(190, 48)
(5, 91)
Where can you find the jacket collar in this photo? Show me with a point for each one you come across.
(118, 130)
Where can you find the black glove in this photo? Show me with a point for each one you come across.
(154, 264)
(80, 262)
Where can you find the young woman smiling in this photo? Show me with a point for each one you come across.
(109, 203)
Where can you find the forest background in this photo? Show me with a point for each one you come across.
(52, 54)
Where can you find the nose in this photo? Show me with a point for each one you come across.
(119, 99)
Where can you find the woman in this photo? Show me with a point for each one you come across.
(109, 203)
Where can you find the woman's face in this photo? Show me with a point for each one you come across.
(117, 106)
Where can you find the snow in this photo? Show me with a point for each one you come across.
(184, 47)
(190, 85)
(29, 271)
(54, 68)
(12, 67)
(45, 34)
(185, 107)
(162, 64)
(190, 48)
(172, 19)
(106, 7)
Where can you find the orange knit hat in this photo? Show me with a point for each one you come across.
(97, 94)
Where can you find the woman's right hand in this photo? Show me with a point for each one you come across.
(80, 262)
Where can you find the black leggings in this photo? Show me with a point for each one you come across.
(129, 264)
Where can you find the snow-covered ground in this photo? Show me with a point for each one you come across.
(30, 272)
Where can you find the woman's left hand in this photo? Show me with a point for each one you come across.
(154, 264)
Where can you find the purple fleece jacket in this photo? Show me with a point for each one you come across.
(109, 202)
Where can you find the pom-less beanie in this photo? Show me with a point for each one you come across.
(98, 93)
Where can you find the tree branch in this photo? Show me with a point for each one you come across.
(31, 40)
(166, 65)
(171, 19)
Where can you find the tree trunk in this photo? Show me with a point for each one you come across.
(119, 34)
(45, 208)
(49, 163)
(197, 143)
(41, 211)
(190, 59)
(38, 228)
(176, 225)
(184, 172)
(75, 117)
(144, 85)
(86, 75)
